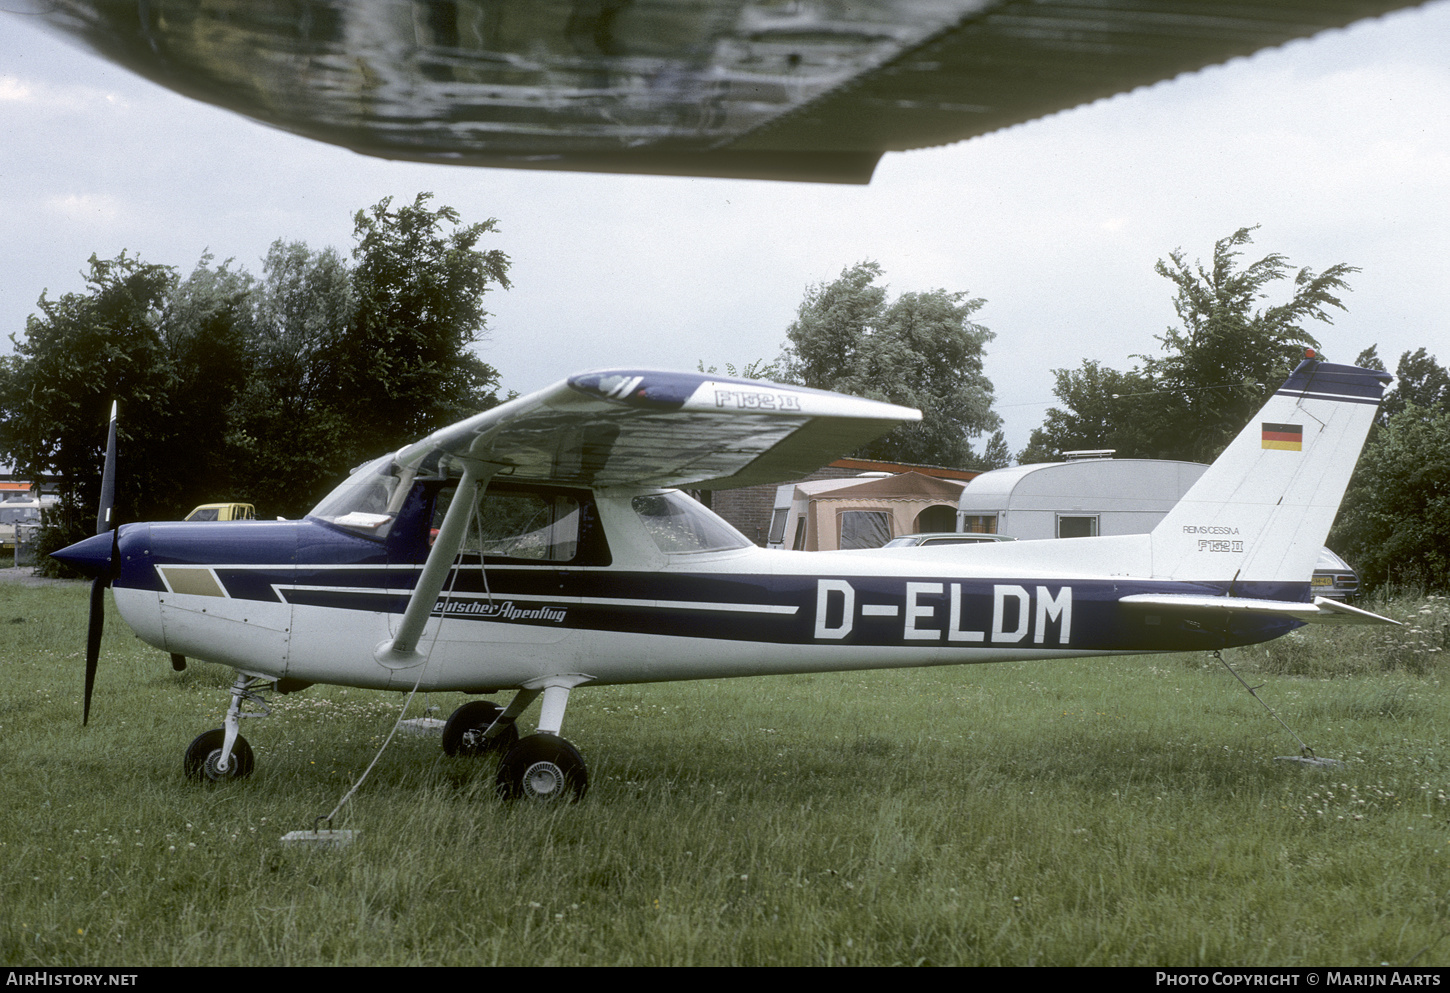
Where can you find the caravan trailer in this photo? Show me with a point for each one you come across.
(1079, 498)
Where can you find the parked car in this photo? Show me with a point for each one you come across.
(14, 513)
(1333, 577)
(943, 538)
(223, 512)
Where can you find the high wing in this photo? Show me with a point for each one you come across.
(743, 88)
(640, 427)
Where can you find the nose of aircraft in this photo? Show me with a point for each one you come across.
(92, 557)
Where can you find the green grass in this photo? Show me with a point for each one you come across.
(1110, 812)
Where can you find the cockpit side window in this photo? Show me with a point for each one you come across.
(530, 524)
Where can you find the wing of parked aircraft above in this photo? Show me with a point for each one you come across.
(638, 427)
(808, 90)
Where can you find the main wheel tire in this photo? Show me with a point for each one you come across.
(544, 768)
(203, 754)
(463, 733)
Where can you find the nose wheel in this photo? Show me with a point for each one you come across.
(203, 760)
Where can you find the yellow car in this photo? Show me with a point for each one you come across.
(223, 512)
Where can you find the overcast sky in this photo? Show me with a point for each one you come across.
(1337, 147)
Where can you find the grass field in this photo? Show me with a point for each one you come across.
(1111, 812)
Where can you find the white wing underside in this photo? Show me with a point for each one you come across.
(643, 428)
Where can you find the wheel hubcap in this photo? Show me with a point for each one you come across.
(212, 767)
(543, 781)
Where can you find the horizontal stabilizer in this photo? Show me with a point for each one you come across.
(1321, 611)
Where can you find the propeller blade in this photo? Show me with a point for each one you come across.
(93, 640)
(104, 523)
(108, 481)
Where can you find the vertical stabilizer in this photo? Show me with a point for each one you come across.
(1263, 509)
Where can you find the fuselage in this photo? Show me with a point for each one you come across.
(313, 600)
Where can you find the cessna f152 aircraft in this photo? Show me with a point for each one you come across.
(540, 547)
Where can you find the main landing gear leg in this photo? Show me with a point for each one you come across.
(543, 766)
(222, 754)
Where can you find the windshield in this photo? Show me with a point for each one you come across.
(368, 500)
(15, 515)
(680, 524)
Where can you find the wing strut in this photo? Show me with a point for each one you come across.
(401, 652)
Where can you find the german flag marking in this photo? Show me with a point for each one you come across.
(1285, 437)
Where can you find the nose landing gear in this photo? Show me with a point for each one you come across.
(221, 755)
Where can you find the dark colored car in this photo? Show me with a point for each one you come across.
(1333, 578)
(943, 538)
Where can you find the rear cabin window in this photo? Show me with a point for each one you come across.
(678, 524)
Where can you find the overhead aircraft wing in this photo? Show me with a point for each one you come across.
(638, 427)
(1321, 611)
(744, 88)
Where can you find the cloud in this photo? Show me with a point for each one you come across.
(15, 90)
(35, 95)
(86, 208)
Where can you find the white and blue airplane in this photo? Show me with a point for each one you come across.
(543, 546)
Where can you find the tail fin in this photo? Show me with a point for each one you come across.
(1262, 511)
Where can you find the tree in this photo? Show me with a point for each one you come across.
(82, 351)
(265, 391)
(207, 328)
(1232, 346)
(1421, 382)
(407, 366)
(922, 350)
(1102, 408)
(757, 369)
(1394, 524)
(288, 432)
(996, 455)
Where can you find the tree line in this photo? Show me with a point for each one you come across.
(262, 389)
